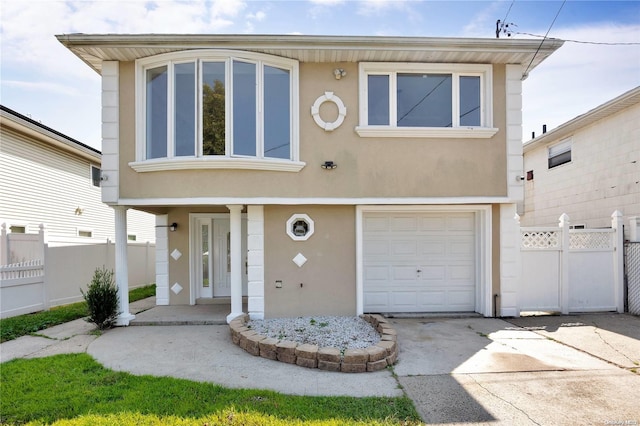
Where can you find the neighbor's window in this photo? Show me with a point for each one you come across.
(17, 229)
(560, 153)
(95, 176)
(132, 237)
(424, 96)
(215, 106)
(85, 233)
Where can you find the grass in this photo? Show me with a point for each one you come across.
(22, 325)
(76, 388)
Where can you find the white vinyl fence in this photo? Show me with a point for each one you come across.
(572, 270)
(37, 274)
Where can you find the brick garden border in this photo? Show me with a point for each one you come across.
(373, 358)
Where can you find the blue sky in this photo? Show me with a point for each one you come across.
(42, 79)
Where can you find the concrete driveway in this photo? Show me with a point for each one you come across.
(524, 371)
(581, 369)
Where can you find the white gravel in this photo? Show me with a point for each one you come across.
(338, 332)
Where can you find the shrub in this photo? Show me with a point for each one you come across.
(102, 299)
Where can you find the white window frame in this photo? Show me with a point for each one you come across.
(229, 160)
(79, 230)
(91, 167)
(564, 146)
(485, 72)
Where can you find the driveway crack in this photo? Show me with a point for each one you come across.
(502, 399)
(595, 330)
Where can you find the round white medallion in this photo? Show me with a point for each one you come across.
(315, 111)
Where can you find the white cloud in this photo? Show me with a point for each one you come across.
(376, 7)
(482, 23)
(42, 86)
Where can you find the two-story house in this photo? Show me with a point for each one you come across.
(319, 174)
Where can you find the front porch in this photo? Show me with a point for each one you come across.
(200, 314)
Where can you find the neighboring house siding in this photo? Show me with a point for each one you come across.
(602, 176)
(41, 184)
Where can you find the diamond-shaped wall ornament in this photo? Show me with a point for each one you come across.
(176, 288)
(299, 260)
(176, 254)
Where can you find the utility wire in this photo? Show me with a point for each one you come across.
(583, 42)
(545, 37)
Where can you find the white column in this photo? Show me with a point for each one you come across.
(563, 224)
(510, 264)
(618, 260)
(255, 263)
(122, 271)
(162, 259)
(235, 222)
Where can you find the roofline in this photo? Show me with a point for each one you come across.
(51, 136)
(309, 42)
(611, 107)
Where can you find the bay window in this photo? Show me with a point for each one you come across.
(214, 109)
(425, 100)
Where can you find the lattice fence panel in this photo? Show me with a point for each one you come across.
(590, 240)
(540, 239)
(632, 274)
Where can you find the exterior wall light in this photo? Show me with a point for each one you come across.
(171, 227)
(338, 73)
(328, 165)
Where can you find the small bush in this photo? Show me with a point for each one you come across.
(102, 299)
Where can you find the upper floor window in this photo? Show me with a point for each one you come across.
(95, 176)
(421, 100)
(559, 153)
(231, 109)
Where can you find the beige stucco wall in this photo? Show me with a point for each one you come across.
(328, 277)
(603, 175)
(367, 167)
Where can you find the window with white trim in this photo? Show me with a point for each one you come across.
(559, 154)
(218, 109)
(422, 100)
(95, 176)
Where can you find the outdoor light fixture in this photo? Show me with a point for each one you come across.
(329, 165)
(171, 227)
(338, 73)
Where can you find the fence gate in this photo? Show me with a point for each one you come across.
(632, 276)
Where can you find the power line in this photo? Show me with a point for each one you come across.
(583, 42)
(500, 26)
(545, 37)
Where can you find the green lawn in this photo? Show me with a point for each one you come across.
(22, 325)
(75, 389)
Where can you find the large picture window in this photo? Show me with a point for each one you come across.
(208, 109)
(421, 100)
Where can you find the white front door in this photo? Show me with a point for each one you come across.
(211, 261)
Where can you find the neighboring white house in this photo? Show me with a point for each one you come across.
(49, 178)
(54, 229)
(587, 167)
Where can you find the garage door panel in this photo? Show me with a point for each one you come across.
(461, 223)
(376, 223)
(377, 301)
(376, 273)
(404, 248)
(419, 262)
(404, 300)
(432, 223)
(403, 224)
(432, 248)
(461, 272)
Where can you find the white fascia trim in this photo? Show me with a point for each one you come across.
(484, 232)
(426, 132)
(198, 163)
(195, 201)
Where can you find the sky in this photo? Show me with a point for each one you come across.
(43, 80)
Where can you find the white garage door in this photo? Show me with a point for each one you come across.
(419, 262)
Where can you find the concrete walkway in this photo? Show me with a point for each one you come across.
(539, 370)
